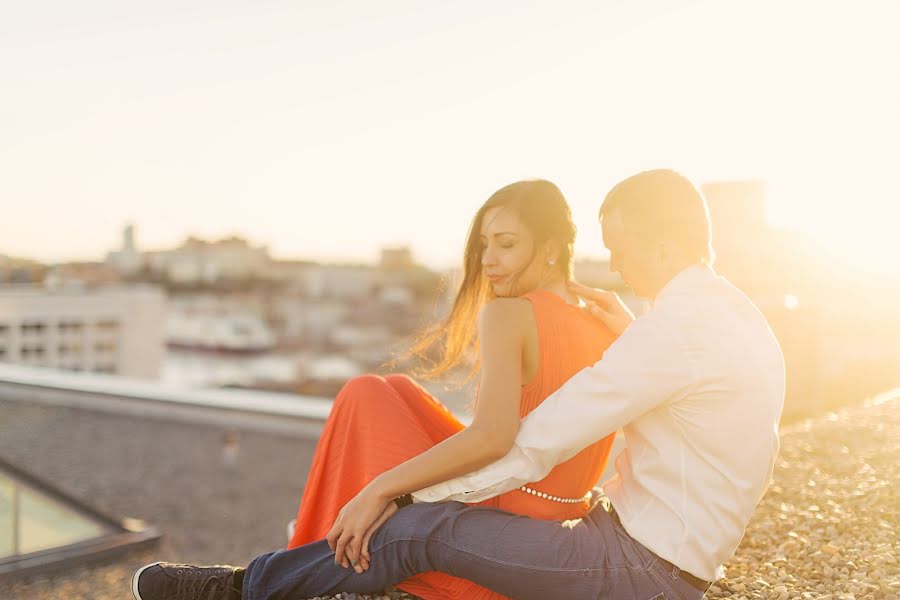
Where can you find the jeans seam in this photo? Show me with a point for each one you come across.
(493, 560)
(642, 569)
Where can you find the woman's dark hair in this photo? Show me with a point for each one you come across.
(545, 213)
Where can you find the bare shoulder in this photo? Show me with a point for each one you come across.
(506, 315)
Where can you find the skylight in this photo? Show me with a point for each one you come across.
(43, 529)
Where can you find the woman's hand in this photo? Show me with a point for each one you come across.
(386, 514)
(354, 525)
(605, 306)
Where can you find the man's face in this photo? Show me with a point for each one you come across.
(629, 256)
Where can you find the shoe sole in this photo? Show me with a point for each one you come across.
(137, 576)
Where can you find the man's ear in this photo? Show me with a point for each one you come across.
(660, 251)
(669, 252)
(665, 251)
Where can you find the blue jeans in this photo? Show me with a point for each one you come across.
(518, 556)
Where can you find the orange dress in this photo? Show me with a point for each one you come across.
(376, 423)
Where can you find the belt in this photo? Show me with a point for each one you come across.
(700, 584)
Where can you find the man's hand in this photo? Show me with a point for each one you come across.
(604, 305)
(353, 526)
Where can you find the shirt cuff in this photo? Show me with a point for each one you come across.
(502, 476)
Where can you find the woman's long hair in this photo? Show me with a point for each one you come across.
(543, 210)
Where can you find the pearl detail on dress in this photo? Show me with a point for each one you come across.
(534, 492)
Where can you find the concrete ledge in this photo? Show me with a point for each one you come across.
(260, 410)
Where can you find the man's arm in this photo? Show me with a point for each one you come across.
(645, 367)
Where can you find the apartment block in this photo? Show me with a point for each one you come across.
(116, 330)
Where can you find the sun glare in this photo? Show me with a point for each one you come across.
(856, 228)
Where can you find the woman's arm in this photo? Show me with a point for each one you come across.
(505, 325)
(503, 330)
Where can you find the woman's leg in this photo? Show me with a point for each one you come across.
(375, 424)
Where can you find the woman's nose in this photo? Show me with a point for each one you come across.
(487, 258)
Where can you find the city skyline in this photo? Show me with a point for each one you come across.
(329, 132)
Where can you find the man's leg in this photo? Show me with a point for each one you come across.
(512, 554)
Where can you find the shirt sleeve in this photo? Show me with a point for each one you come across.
(645, 367)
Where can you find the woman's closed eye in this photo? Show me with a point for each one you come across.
(504, 246)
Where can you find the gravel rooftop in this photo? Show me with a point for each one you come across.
(826, 529)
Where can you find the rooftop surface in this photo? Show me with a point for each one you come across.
(828, 525)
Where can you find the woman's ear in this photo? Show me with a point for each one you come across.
(551, 253)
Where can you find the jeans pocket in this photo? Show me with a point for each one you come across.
(670, 586)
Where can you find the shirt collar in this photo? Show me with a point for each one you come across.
(686, 281)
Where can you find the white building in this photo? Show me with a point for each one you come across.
(127, 259)
(306, 321)
(200, 261)
(399, 257)
(105, 330)
(341, 282)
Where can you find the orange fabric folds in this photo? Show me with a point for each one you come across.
(377, 423)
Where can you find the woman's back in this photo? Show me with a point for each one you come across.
(569, 340)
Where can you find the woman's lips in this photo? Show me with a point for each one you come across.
(496, 278)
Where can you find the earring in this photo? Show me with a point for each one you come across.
(551, 263)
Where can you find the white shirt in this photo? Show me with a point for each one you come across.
(697, 386)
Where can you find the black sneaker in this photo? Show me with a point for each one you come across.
(168, 581)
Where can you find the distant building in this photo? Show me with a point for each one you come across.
(199, 261)
(82, 274)
(127, 260)
(20, 270)
(291, 273)
(105, 330)
(299, 321)
(396, 258)
(341, 282)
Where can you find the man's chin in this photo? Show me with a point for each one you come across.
(637, 291)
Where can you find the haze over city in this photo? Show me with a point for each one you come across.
(330, 131)
(232, 314)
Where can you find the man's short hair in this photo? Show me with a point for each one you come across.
(664, 205)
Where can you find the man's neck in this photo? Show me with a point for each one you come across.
(673, 273)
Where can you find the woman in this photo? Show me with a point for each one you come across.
(386, 436)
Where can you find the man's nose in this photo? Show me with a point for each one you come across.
(614, 264)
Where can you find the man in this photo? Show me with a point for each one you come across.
(697, 385)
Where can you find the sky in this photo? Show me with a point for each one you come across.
(327, 130)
